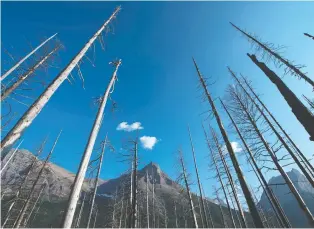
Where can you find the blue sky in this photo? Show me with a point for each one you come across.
(157, 80)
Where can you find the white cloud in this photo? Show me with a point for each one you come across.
(236, 147)
(148, 142)
(126, 127)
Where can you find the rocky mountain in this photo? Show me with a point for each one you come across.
(287, 200)
(60, 180)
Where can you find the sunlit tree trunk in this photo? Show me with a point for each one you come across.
(10, 158)
(28, 117)
(248, 196)
(147, 201)
(80, 176)
(299, 110)
(78, 221)
(25, 58)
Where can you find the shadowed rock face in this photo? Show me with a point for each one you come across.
(287, 200)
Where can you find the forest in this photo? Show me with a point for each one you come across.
(35, 192)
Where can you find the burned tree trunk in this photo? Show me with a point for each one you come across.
(294, 191)
(205, 223)
(96, 183)
(279, 210)
(79, 178)
(287, 63)
(248, 196)
(134, 189)
(28, 117)
(189, 196)
(21, 79)
(291, 153)
(297, 107)
(25, 58)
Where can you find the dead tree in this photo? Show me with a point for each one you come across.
(202, 209)
(78, 221)
(224, 222)
(278, 209)
(20, 217)
(279, 60)
(30, 71)
(289, 150)
(189, 196)
(175, 214)
(11, 157)
(310, 102)
(153, 200)
(207, 209)
(248, 196)
(96, 182)
(240, 104)
(309, 35)
(299, 110)
(79, 178)
(43, 99)
(147, 201)
(305, 160)
(25, 58)
(134, 188)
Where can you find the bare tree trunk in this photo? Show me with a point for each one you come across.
(278, 210)
(294, 191)
(96, 183)
(294, 69)
(188, 190)
(203, 216)
(147, 200)
(21, 79)
(27, 202)
(95, 219)
(78, 221)
(43, 99)
(11, 157)
(291, 153)
(299, 110)
(175, 214)
(79, 178)
(154, 215)
(248, 196)
(221, 212)
(25, 58)
(207, 209)
(309, 35)
(306, 161)
(126, 213)
(134, 190)
(114, 210)
(236, 212)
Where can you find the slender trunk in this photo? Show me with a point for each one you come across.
(309, 35)
(21, 79)
(126, 213)
(10, 158)
(153, 184)
(78, 221)
(27, 202)
(230, 179)
(294, 191)
(95, 219)
(221, 212)
(96, 183)
(188, 191)
(175, 214)
(25, 58)
(114, 210)
(79, 178)
(203, 216)
(121, 212)
(279, 210)
(134, 190)
(248, 196)
(131, 194)
(28, 117)
(305, 160)
(207, 210)
(294, 69)
(236, 212)
(34, 205)
(299, 110)
(147, 200)
(291, 153)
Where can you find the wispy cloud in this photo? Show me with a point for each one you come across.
(148, 142)
(126, 127)
(235, 146)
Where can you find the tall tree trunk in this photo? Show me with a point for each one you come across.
(10, 158)
(28, 117)
(121, 211)
(30, 71)
(236, 212)
(25, 58)
(299, 110)
(294, 69)
(96, 183)
(175, 214)
(79, 178)
(114, 210)
(279, 209)
(207, 209)
(230, 179)
(294, 191)
(147, 200)
(27, 202)
(95, 219)
(291, 153)
(153, 184)
(134, 189)
(78, 221)
(205, 223)
(305, 160)
(224, 222)
(192, 209)
(248, 196)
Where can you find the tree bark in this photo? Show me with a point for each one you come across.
(299, 110)
(11, 157)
